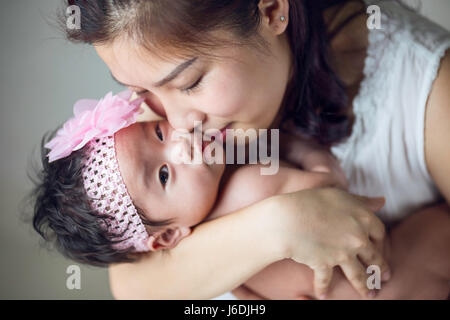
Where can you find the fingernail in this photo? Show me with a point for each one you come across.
(322, 296)
(372, 294)
(386, 276)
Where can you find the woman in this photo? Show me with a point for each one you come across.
(260, 64)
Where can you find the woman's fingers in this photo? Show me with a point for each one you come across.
(374, 254)
(375, 230)
(371, 256)
(356, 274)
(374, 204)
(377, 233)
(322, 279)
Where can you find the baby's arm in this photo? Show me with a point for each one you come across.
(247, 185)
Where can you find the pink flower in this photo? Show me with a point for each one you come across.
(94, 119)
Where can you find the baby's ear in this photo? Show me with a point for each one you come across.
(167, 238)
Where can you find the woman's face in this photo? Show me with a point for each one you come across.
(242, 89)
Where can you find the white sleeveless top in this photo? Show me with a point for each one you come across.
(384, 156)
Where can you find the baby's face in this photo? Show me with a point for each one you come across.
(161, 185)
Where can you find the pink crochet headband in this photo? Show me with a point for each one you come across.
(94, 125)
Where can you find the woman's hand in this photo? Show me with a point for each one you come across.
(329, 227)
(318, 227)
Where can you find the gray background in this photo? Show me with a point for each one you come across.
(42, 75)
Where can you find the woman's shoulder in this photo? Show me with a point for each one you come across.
(403, 24)
(403, 53)
(437, 148)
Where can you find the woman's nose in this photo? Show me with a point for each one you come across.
(187, 120)
(181, 149)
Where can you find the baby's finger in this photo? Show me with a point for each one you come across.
(322, 279)
(356, 274)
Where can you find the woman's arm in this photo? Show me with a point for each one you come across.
(223, 253)
(437, 129)
(217, 257)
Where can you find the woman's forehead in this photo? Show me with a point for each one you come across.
(125, 57)
(133, 64)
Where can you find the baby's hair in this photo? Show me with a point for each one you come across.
(63, 216)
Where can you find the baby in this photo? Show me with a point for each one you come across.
(112, 189)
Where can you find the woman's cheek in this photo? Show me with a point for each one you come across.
(224, 98)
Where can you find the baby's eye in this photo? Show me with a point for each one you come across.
(158, 132)
(163, 175)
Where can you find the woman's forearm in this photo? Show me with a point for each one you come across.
(218, 256)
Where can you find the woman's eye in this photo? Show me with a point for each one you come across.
(163, 175)
(158, 132)
(194, 86)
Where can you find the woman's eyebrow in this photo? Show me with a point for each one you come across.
(175, 72)
(171, 76)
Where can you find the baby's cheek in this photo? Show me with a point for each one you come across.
(202, 200)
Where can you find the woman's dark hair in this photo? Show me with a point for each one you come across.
(62, 213)
(315, 98)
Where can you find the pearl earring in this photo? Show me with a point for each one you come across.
(282, 18)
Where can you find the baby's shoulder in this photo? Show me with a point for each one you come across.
(253, 175)
(246, 185)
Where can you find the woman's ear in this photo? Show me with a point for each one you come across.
(274, 14)
(168, 238)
